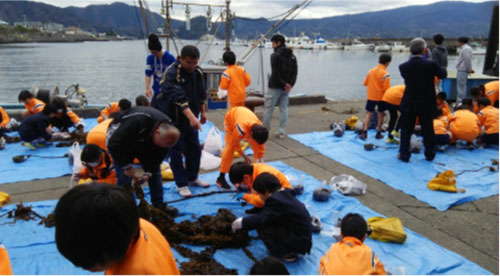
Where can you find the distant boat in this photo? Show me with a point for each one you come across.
(301, 42)
(358, 45)
(382, 47)
(321, 44)
(398, 46)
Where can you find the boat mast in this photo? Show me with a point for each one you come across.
(228, 24)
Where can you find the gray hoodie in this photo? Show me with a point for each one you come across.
(440, 55)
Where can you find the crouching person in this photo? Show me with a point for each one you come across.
(98, 229)
(97, 165)
(351, 256)
(146, 134)
(35, 130)
(284, 224)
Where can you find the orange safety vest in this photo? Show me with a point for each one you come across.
(5, 268)
(103, 173)
(350, 257)
(377, 82)
(235, 80)
(34, 106)
(441, 125)
(465, 125)
(150, 255)
(110, 108)
(5, 118)
(491, 91)
(394, 94)
(259, 168)
(488, 117)
(97, 135)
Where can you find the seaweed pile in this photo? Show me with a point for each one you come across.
(26, 213)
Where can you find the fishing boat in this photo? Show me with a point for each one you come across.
(398, 46)
(357, 45)
(382, 48)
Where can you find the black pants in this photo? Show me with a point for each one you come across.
(281, 242)
(442, 139)
(62, 123)
(408, 119)
(393, 112)
(490, 139)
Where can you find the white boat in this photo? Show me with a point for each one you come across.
(398, 46)
(301, 42)
(382, 47)
(321, 44)
(358, 45)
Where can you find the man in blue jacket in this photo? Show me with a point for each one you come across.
(419, 99)
(182, 97)
(156, 64)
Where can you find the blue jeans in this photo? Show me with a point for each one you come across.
(461, 86)
(155, 183)
(276, 96)
(189, 146)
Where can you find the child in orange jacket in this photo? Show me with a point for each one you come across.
(443, 105)
(233, 81)
(113, 107)
(98, 228)
(488, 117)
(351, 256)
(391, 100)
(464, 124)
(241, 123)
(32, 105)
(242, 175)
(377, 82)
(97, 165)
(442, 136)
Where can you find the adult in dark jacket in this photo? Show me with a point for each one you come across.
(284, 224)
(419, 99)
(283, 77)
(35, 129)
(146, 134)
(182, 97)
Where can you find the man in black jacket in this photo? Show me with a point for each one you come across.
(146, 134)
(182, 97)
(419, 99)
(283, 77)
(284, 224)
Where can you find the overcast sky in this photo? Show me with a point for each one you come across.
(266, 8)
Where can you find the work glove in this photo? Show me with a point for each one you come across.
(239, 196)
(237, 224)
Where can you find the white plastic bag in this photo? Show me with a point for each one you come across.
(209, 161)
(213, 142)
(75, 153)
(348, 184)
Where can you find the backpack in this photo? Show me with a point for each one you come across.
(386, 229)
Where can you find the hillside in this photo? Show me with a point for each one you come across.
(452, 19)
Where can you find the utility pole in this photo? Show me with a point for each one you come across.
(167, 26)
(228, 24)
(144, 17)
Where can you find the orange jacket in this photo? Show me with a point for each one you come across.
(4, 118)
(259, 168)
(441, 125)
(446, 109)
(97, 135)
(394, 94)
(235, 80)
(491, 91)
(350, 257)
(5, 268)
(34, 106)
(150, 255)
(110, 108)
(465, 125)
(377, 82)
(103, 173)
(72, 116)
(488, 117)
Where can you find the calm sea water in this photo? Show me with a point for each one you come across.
(110, 71)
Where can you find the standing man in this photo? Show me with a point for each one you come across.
(182, 97)
(156, 63)
(146, 134)
(283, 77)
(440, 56)
(464, 67)
(419, 98)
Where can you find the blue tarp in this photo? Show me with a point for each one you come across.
(412, 177)
(33, 251)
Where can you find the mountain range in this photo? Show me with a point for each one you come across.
(451, 18)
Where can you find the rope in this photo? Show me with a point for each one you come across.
(140, 25)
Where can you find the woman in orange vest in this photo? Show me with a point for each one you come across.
(242, 175)
(98, 229)
(241, 123)
(351, 256)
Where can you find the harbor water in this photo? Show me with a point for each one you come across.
(109, 71)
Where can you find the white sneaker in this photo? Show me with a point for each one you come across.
(2, 143)
(200, 183)
(184, 191)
